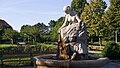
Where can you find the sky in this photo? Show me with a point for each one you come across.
(29, 12)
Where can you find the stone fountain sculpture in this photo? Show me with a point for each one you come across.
(72, 47)
(73, 37)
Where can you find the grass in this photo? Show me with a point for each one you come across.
(100, 55)
(7, 45)
(15, 45)
(19, 63)
(104, 42)
(5, 48)
(16, 64)
(48, 45)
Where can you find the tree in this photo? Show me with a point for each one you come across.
(54, 31)
(3, 25)
(52, 23)
(10, 34)
(42, 27)
(112, 19)
(78, 6)
(92, 16)
(30, 32)
(43, 32)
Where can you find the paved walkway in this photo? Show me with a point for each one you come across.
(96, 52)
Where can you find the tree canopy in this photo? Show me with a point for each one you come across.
(54, 31)
(100, 23)
(112, 18)
(10, 34)
(29, 31)
(92, 16)
(78, 6)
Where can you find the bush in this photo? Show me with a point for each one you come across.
(112, 51)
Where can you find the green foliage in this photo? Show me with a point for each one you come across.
(39, 48)
(7, 45)
(43, 34)
(112, 51)
(24, 52)
(29, 32)
(112, 19)
(92, 16)
(42, 28)
(78, 5)
(36, 33)
(54, 31)
(52, 23)
(10, 34)
(3, 26)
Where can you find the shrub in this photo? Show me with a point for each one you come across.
(112, 51)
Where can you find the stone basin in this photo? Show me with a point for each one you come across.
(51, 61)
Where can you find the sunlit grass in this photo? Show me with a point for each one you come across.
(46, 45)
(18, 63)
(104, 42)
(7, 45)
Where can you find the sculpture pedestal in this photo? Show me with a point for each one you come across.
(51, 61)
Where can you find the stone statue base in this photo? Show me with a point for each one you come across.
(51, 61)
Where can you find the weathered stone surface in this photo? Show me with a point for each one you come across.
(72, 32)
(50, 61)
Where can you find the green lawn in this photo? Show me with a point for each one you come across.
(18, 63)
(104, 42)
(14, 45)
(7, 45)
(46, 45)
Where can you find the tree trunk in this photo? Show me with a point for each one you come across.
(91, 39)
(100, 41)
(115, 36)
(11, 41)
(33, 40)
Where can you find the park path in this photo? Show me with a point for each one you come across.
(95, 52)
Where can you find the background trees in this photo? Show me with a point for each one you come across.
(35, 33)
(29, 33)
(3, 26)
(92, 16)
(52, 23)
(100, 23)
(78, 6)
(112, 19)
(54, 32)
(11, 35)
(43, 32)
